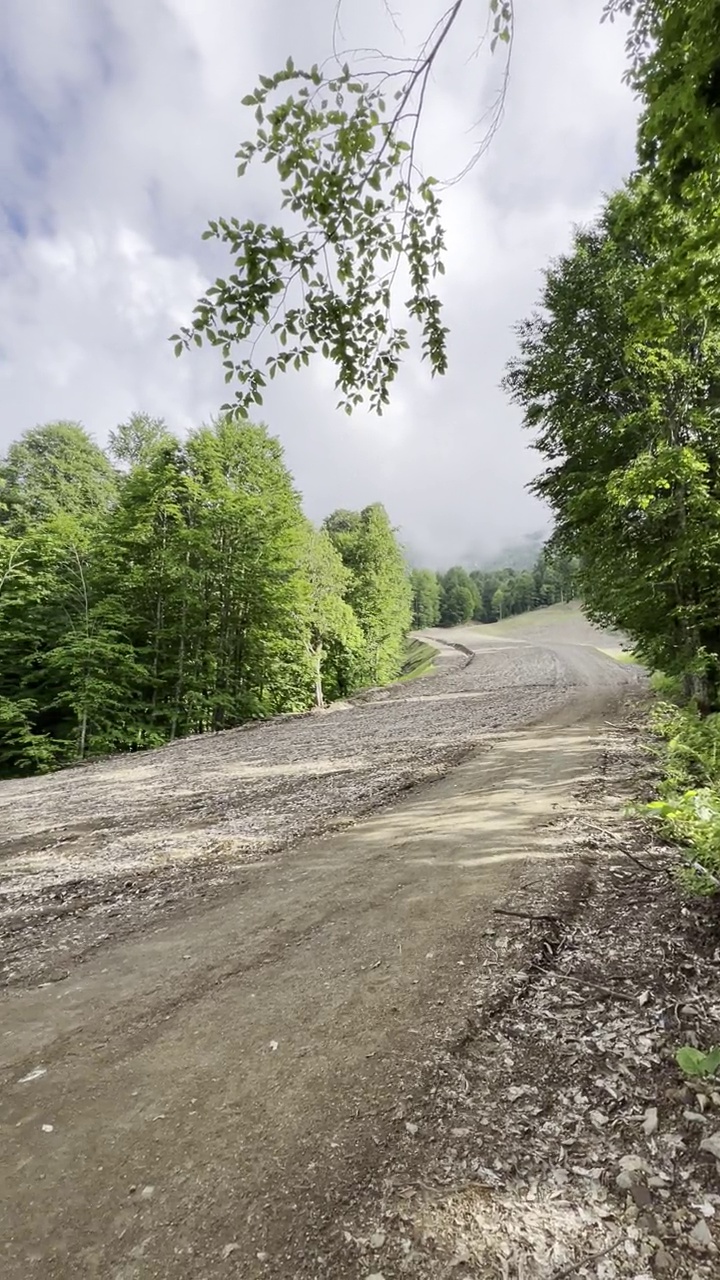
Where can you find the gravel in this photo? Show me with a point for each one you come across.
(153, 824)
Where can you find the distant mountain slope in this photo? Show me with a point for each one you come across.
(515, 555)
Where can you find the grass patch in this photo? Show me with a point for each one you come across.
(419, 660)
(542, 616)
(620, 655)
(668, 687)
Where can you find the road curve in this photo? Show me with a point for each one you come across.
(201, 1093)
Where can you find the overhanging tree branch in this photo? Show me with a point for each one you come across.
(355, 208)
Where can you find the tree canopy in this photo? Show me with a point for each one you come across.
(458, 596)
(184, 594)
(618, 372)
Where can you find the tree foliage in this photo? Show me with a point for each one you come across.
(186, 594)
(458, 596)
(625, 409)
(358, 225)
(618, 374)
(378, 589)
(459, 599)
(425, 586)
(54, 468)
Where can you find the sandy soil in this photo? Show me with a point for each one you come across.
(215, 1011)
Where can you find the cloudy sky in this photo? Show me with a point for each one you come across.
(119, 120)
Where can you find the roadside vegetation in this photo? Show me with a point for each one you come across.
(688, 803)
(419, 660)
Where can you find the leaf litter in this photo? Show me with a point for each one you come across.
(559, 1136)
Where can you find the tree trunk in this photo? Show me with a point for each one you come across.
(319, 696)
(179, 681)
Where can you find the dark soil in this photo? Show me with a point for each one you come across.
(555, 1136)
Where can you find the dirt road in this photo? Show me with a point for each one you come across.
(200, 1086)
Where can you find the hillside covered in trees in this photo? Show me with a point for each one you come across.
(168, 587)
(458, 596)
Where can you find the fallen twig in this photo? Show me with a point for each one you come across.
(610, 835)
(584, 1262)
(526, 915)
(585, 982)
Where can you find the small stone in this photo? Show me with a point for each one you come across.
(228, 1249)
(376, 1275)
(641, 1195)
(648, 1223)
(624, 1180)
(650, 1123)
(517, 1091)
(412, 1130)
(662, 1261)
(261, 1256)
(459, 1133)
(635, 1164)
(147, 1192)
(377, 1240)
(47, 1128)
(35, 1074)
(712, 1144)
(701, 1236)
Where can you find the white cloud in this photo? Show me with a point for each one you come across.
(119, 131)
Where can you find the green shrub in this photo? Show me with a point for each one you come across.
(688, 806)
(666, 686)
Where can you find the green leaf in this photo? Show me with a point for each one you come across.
(694, 1062)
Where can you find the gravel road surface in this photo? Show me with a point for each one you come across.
(214, 1007)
